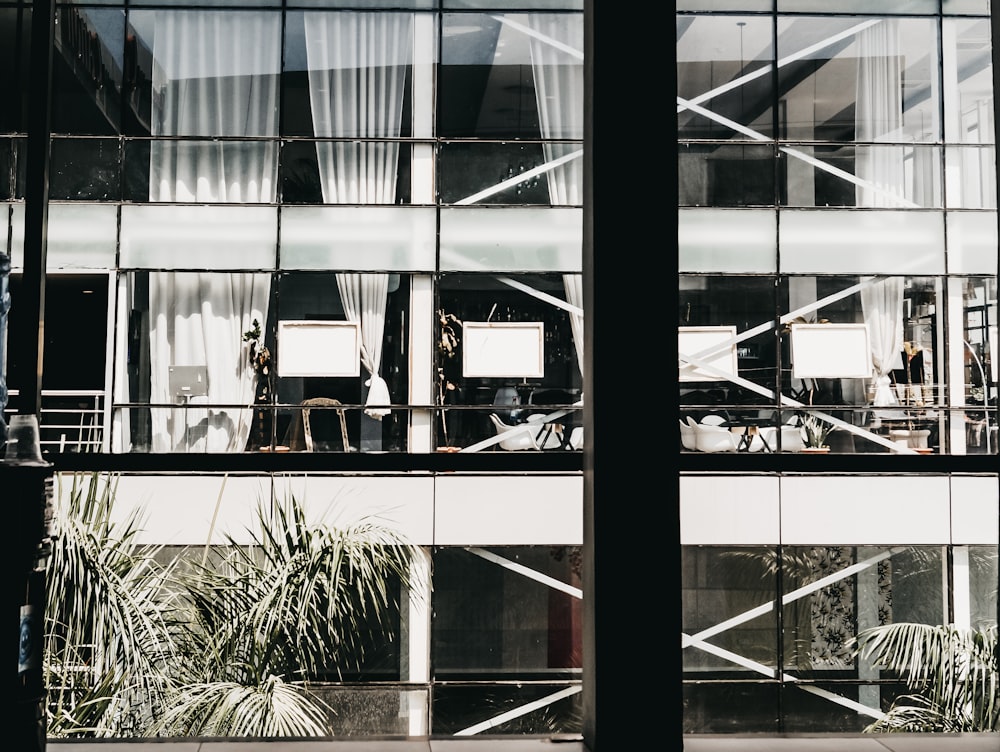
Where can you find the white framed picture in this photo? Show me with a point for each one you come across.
(692, 340)
(830, 351)
(505, 349)
(319, 348)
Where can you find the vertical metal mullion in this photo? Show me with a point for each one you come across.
(31, 304)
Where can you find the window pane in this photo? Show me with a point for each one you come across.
(533, 239)
(727, 618)
(972, 177)
(15, 32)
(84, 169)
(205, 73)
(507, 613)
(198, 237)
(858, 79)
(513, 75)
(894, 177)
(358, 238)
(725, 175)
(726, 240)
(968, 81)
(871, 241)
(504, 173)
(88, 86)
(972, 242)
(81, 236)
(723, 69)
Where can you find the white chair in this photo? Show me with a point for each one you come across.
(576, 438)
(520, 438)
(688, 439)
(710, 438)
(791, 438)
(545, 435)
(713, 419)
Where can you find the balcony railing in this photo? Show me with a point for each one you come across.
(71, 420)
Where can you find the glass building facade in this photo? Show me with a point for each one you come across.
(330, 250)
(837, 338)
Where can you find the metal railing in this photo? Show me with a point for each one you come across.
(71, 420)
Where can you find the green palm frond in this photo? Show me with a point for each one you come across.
(951, 672)
(272, 708)
(107, 621)
(302, 598)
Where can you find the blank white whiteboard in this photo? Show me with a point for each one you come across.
(692, 340)
(319, 348)
(506, 349)
(831, 351)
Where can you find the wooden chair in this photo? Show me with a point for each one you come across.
(327, 402)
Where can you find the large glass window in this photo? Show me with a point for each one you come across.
(924, 378)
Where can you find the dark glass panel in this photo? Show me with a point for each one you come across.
(87, 67)
(725, 175)
(834, 708)
(300, 177)
(483, 91)
(84, 169)
(720, 584)
(456, 708)
(467, 169)
(15, 31)
(730, 707)
(492, 621)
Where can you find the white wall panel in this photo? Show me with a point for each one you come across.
(865, 510)
(975, 510)
(178, 509)
(404, 503)
(728, 509)
(509, 510)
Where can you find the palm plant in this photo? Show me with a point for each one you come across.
(269, 618)
(952, 675)
(225, 646)
(107, 617)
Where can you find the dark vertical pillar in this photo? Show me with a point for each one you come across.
(30, 305)
(631, 528)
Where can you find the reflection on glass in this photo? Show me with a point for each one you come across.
(968, 88)
(725, 175)
(205, 73)
(864, 364)
(724, 87)
(895, 177)
(972, 177)
(83, 169)
(728, 627)
(89, 45)
(858, 79)
(516, 75)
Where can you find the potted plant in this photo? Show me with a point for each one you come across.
(449, 340)
(815, 432)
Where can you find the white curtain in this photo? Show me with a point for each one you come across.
(357, 72)
(556, 64)
(199, 319)
(882, 308)
(215, 74)
(558, 74)
(364, 297)
(879, 115)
